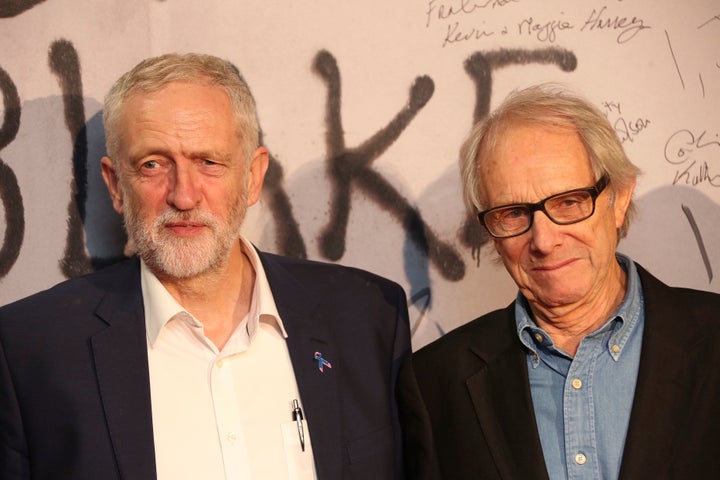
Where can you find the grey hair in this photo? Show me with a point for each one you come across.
(550, 106)
(154, 73)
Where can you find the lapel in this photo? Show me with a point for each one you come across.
(500, 392)
(662, 393)
(308, 332)
(120, 353)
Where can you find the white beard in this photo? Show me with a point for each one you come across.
(182, 257)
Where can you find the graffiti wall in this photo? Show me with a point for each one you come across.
(363, 106)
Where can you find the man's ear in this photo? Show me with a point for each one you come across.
(256, 174)
(622, 202)
(111, 181)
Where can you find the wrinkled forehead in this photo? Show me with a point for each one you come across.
(175, 96)
(535, 159)
(505, 132)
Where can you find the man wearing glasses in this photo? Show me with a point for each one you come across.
(597, 370)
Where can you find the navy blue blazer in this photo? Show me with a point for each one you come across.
(74, 383)
(467, 410)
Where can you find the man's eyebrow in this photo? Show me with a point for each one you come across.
(146, 151)
(214, 154)
(143, 152)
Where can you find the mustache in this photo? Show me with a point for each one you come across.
(196, 216)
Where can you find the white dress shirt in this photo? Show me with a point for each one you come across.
(223, 414)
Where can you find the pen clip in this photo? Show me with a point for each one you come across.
(297, 415)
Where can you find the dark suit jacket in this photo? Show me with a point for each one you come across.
(74, 383)
(467, 410)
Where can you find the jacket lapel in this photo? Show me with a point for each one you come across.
(302, 317)
(500, 392)
(662, 393)
(120, 353)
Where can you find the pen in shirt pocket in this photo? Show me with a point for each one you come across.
(297, 415)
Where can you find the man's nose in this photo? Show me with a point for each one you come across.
(184, 188)
(544, 233)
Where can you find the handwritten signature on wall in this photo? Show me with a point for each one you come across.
(692, 153)
(462, 22)
(712, 22)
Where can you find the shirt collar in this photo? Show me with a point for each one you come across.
(160, 306)
(629, 311)
(263, 307)
(623, 321)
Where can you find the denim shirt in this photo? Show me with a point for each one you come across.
(582, 404)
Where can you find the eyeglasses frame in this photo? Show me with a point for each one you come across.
(594, 192)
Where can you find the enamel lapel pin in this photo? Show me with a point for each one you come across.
(322, 363)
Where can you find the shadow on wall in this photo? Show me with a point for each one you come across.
(374, 238)
(59, 217)
(104, 233)
(675, 235)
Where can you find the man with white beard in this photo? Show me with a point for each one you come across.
(200, 357)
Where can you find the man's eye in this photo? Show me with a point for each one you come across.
(513, 213)
(569, 202)
(211, 167)
(152, 164)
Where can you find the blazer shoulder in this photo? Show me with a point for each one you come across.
(76, 293)
(321, 275)
(664, 303)
(486, 335)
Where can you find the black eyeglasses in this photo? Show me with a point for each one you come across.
(562, 208)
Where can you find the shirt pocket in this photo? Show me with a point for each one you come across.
(300, 464)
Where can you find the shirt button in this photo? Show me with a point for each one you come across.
(539, 337)
(577, 383)
(580, 459)
(615, 349)
(219, 363)
(231, 437)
